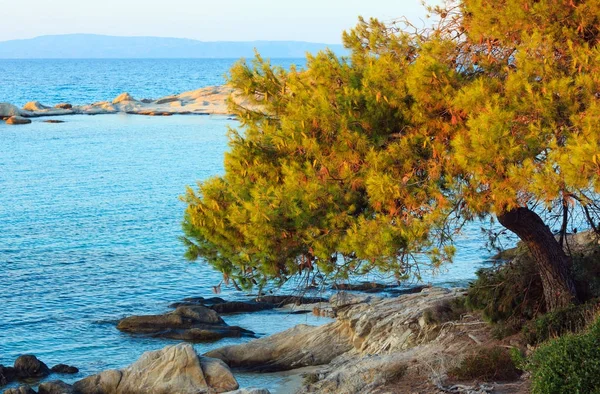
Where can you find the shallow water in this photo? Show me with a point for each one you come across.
(90, 220)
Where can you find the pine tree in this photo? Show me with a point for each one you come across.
(375, 160)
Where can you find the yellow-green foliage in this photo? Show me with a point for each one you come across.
(364, 162)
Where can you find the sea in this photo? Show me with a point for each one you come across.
(90, 214)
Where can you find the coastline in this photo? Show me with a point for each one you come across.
(212, 100)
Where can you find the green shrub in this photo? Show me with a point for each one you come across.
(569, 364)
(486, 363)
(445, 311)
(572, 319)
(510, 293)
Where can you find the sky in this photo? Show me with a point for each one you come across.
(217, 20)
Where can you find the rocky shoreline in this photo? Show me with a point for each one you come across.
(211, 100)
(403, 344)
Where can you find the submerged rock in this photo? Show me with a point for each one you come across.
(54, 121)
(28, 366)
(55, 387)
(174, 369)
(17, 120)
(64, 369)
(194, 323)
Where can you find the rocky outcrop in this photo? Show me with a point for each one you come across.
(15, 120)
(194, 323)
(55, 387)
(28, 366)
(364, 325)
(174, 369)
(205, 101)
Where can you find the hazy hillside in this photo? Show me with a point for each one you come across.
(98, 46)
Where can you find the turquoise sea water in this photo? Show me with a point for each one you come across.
(90, 217)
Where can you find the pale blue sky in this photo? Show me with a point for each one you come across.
(215, 20)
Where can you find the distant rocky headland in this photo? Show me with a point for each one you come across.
(206, 101)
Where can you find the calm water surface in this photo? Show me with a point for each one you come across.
(90, 215)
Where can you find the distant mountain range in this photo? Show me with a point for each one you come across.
(84, 46)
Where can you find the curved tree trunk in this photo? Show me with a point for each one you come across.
(554, 265)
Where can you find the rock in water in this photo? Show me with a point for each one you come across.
(34, 106)
(250, 390)
(174, 369)
(190, 323)
(8, 110)
(122, 98)
(55, 387)
(64, 369)
(63, 106)
(7, 375)
(28, 366)
(17, 120)
(20, 390)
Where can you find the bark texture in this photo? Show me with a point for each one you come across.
(554, 265)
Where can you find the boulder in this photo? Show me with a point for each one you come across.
(174, 369)
(240, 307)
(63, 106)
(35, 106)
(28, 366)
(64, 369)
(7, 375)
(8, 110)
(55, 387)
(194, 323)
(17, 120)
(25, 389)
(123, 97)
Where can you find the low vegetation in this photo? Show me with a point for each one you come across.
(488, 364)
(568, 364)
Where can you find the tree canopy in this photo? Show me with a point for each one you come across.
(375, 160)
